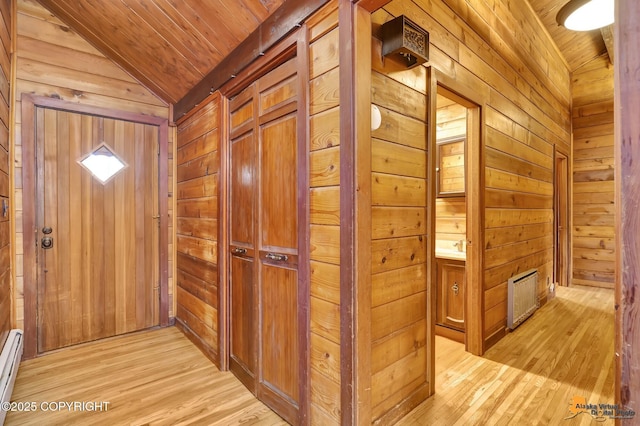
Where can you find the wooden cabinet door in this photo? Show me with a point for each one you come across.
(264, 241)
(97, 242)
(451, 288)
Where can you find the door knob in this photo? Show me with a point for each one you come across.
(455, 288)
(46, 242)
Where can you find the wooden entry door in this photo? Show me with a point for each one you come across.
(264, 285)
(99, 277)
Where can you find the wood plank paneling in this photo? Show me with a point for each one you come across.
(451, 222)
(324, 205)
(525, 111)
(593, 175)
(399, 263)
(181, 36)
(6, 152)
(197, 232)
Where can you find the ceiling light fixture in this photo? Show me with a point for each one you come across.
(586, 15)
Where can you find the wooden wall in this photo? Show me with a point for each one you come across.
(523, 87)
(627, 151)
(593, 245)
(324, 169)
(451, 118)
(451, 222)
(54, 61)
(7, 13)
(399, 238)
(197, 232)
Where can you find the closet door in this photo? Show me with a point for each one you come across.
(263, 217)
(278, 240)
(243, 290)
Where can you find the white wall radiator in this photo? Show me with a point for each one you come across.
(9, 361)
(523, 299)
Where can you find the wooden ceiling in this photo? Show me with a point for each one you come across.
(167, 45)
(578, 48)
(173, 46)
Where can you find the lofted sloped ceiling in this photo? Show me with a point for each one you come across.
(167, 45)
(174, 47)
(578, 47)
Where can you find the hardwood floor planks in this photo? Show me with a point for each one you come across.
(531, 376)
(155, 378)
(158, 377)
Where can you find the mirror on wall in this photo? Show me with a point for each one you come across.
(451, 134)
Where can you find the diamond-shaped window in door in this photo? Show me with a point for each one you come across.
(102, 163)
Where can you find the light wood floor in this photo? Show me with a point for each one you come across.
(159, 377)
(532, 375)
(156, 377)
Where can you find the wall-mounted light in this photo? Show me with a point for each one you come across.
(376, 117)
(405, 41)
(586, 15)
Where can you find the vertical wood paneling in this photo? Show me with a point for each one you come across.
(593, 175)
(119, 267)
(325, 216)
(399, 207)
(627, 152)
(55, 62)
(198, 177)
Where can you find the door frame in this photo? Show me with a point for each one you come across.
(474, 198)
(561, 155)
(29, 103)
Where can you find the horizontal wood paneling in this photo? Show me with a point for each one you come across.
(523, 86)
(198, 175)
(6, 197)
(451, 222)
(55, 62)
(593, 175)
(399, 260)
(324, 205)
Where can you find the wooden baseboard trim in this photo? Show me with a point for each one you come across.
(543, 300)
(416, 398)
(449, 333)
(198, 342)
(494, 338)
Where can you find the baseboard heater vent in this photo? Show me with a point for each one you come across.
(9, 361)
(523, 298)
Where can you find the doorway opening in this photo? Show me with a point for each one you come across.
(457, 236)
(561, 219)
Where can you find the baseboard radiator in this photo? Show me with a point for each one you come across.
(9, 361)
(523, 298)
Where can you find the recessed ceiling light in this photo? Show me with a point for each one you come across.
(586, 15)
